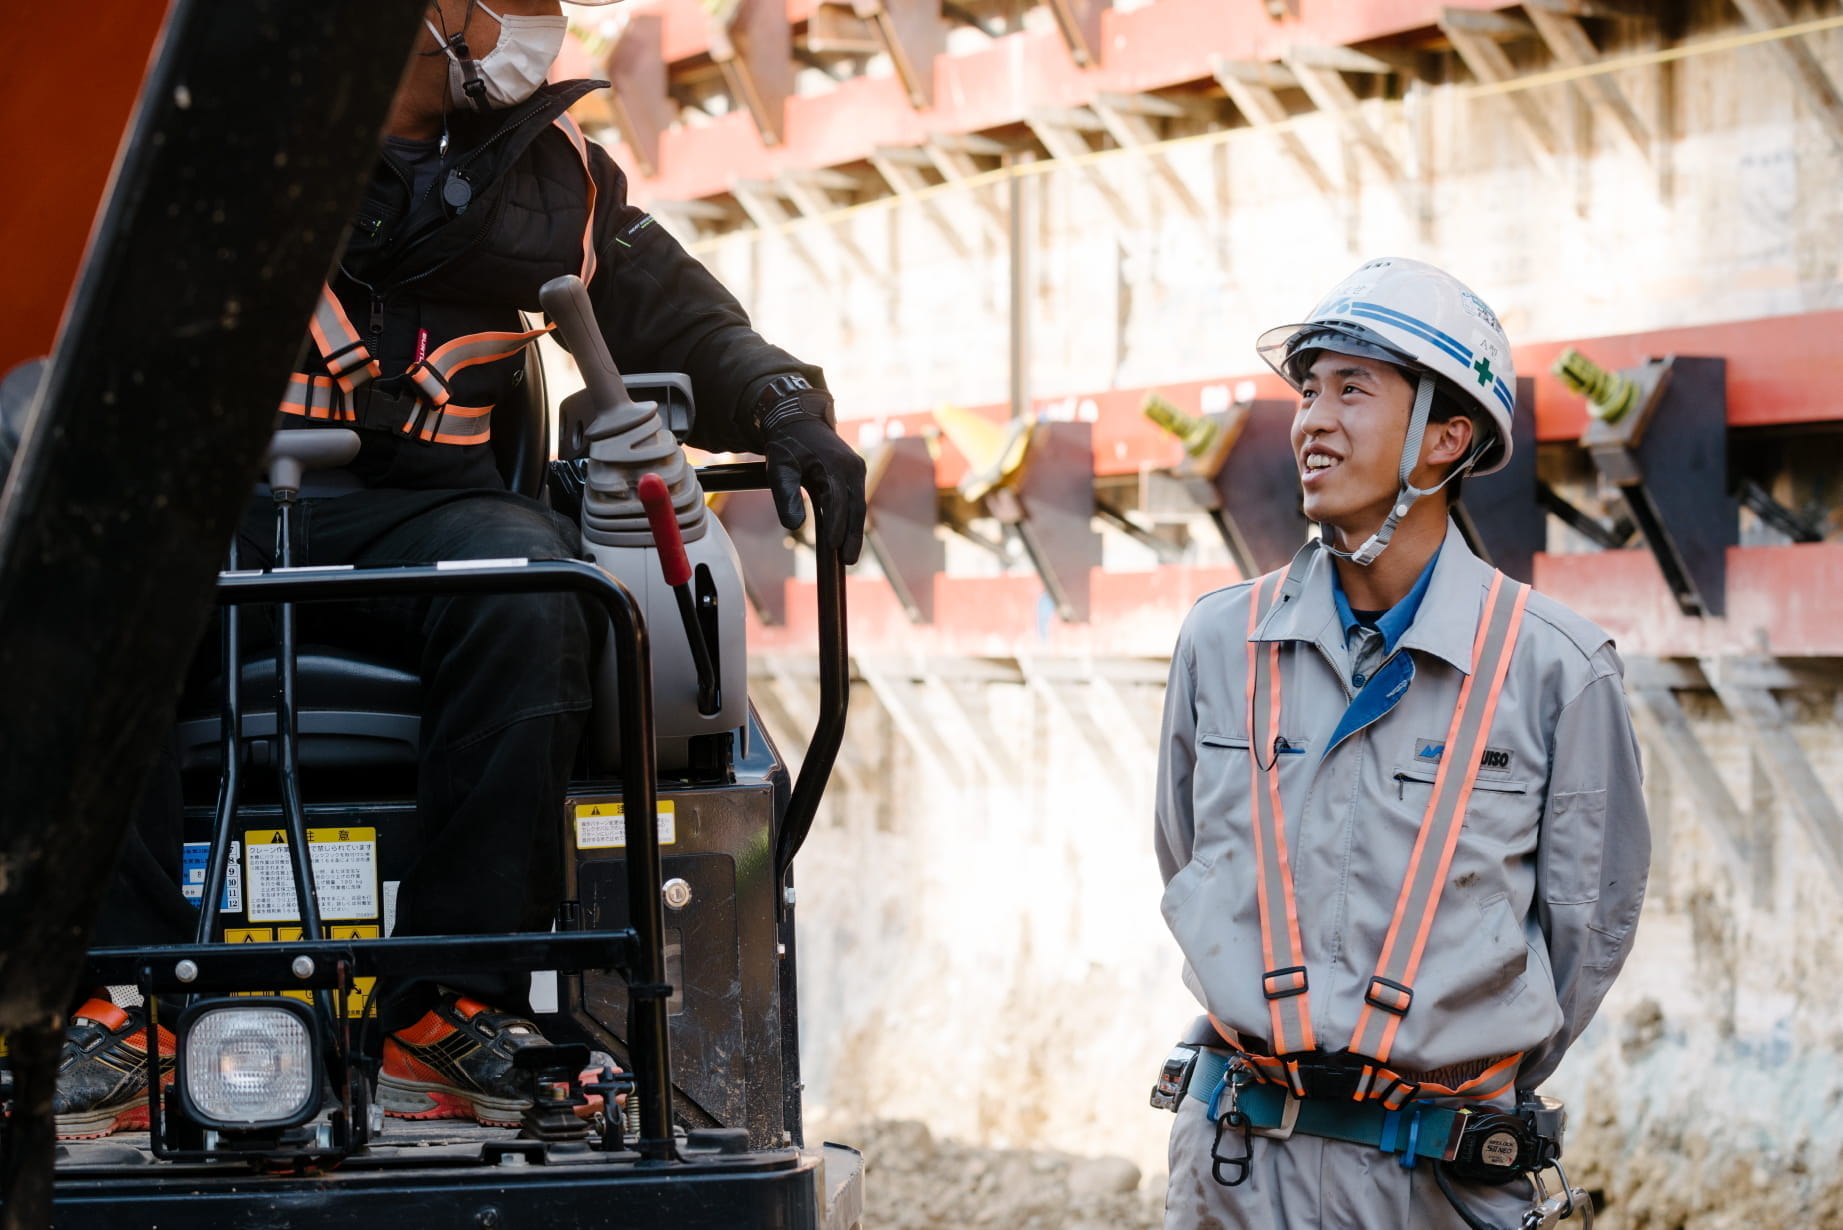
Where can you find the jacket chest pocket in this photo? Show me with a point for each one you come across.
(1498, 805)
(1225, 780)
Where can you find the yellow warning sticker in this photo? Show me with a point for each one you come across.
(357, 1000)
(345, 863)
(603, 825)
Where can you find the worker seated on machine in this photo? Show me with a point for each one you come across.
(484, 190)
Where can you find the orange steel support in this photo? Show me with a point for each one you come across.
(61, 126)
(1781, 372)
(1160, 45)
(1780, 601)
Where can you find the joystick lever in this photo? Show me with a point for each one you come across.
(663, 520)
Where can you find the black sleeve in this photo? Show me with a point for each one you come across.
(660, 310)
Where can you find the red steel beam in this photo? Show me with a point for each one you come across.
(1781, 372)
(1155, 47)
(1781, 601)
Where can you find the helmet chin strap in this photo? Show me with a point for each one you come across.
(1405, 499)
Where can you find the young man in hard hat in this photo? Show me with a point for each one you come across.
(1399, 811)
(484, 191)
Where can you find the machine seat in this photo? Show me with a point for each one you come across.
(356, 712)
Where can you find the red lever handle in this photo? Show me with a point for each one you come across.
(657, 499)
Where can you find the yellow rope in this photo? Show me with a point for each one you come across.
(1557, 76)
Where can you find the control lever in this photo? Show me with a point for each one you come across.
(657, 499)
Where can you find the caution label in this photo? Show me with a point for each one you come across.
(345, 866)
(603, 826)
(358, 1000)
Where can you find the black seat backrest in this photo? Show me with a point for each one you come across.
(521, 430)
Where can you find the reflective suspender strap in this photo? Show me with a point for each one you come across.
(351, 365)
(1391, 988)
(588, 231)
(1284, 983)
(432, 374)
(348, 359)
(316, 397)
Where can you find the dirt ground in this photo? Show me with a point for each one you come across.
(913, 1181)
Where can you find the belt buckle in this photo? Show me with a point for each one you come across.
(1330, 1077)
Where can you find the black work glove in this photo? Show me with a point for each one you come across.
(803, 449)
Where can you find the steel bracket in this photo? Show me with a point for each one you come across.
(1669, 459)
(762, 548)
(639, 102)
(900, 529)
(752, 43)
(1050, 504)
(1501, 515)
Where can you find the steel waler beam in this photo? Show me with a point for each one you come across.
(1812, 81)
(1477, 46)
(1060, 129)
(1319, 73)
(1756, 710)
(1252, 88)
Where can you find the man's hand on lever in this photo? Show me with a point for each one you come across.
(803, 449)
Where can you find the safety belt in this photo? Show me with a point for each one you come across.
(1390, 994)
(434, 416)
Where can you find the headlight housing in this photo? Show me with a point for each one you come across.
(249, 1064)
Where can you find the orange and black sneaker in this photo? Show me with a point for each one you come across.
(456, 1063)
(102, 1077)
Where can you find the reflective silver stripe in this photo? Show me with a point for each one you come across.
(1390, 994)
(347, 358)
(316, 397)
(588, 231)
(1285, 981)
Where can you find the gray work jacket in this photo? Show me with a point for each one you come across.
(1541, 901)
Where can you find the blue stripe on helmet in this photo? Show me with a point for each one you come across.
(1450, 345)
(1503, 394)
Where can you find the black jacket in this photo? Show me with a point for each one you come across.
(414, 265)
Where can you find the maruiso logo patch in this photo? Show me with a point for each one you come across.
(1493, 760)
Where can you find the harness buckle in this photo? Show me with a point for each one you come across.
(1332, 1076)
(1273, 988)
(1390, 996)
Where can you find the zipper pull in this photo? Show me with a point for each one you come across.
(377, 320)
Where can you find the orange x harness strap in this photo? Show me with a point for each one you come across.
(1362, 1072)
(433, 416)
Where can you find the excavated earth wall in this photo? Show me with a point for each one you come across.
(982, 949)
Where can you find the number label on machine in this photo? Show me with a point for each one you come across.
(345, 864)
(603, 826)
(196, 857)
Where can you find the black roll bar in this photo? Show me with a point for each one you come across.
(834, 667)
(647, 989)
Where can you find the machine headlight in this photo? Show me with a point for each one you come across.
(249, 1064)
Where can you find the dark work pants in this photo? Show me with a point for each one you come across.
(505, 696)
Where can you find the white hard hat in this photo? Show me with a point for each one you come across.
(1412, 314)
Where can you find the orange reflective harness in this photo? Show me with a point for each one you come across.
(1390, 993)
(434, 417)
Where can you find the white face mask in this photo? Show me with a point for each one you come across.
(514, 69)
